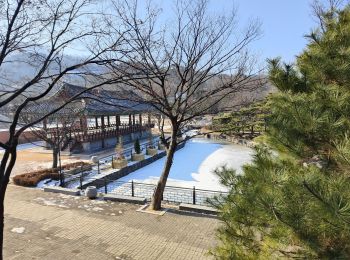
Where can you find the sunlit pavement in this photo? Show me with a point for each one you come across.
(42, 225)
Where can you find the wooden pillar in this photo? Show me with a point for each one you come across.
(130, 119)
(117, 121)
(140, 119)
(96, 121)
(133, 119)
(83, 124)
(45, 123)
(102, 122)
(108, 121)
(149, 119)
(103, 127)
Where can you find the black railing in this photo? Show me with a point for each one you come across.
(172, 194)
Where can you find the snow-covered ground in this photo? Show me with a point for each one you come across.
(194, 165)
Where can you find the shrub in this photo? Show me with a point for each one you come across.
(137, 146)
(31, 179)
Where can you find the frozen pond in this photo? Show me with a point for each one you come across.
(194, 165)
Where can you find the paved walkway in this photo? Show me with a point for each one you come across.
(42, 225)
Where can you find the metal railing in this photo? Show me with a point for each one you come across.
(172, 194)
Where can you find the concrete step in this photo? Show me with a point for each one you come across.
(198, 208)
(55, 189)
(127, 199)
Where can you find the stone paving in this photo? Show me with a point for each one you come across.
(42, 225)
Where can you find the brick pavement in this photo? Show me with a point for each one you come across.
(42, 225)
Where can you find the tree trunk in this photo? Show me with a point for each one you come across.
(55, 158)
(158, 194)
(2, 220)
(5, 171)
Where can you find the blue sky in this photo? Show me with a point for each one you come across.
(284, 23)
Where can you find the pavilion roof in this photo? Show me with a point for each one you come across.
(95, 102)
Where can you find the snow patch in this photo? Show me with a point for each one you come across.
(97, 209)
(18, 230)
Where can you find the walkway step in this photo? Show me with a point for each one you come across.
(198, 208)
(74, 192)
(127, 199)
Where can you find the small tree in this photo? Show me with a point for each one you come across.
(150, 141)
(119, 149)
(57, 130)
(244, 121)
(137, 146)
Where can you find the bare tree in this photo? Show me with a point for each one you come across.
(191, 65)
(40, 34)
(57, 129)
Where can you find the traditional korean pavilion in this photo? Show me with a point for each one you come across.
(101, 117)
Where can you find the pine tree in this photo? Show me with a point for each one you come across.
(246, 120)
(137, 146)
(293, 200)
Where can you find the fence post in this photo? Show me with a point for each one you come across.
(132, 189)
(81, 181)
(194, 195)
(105, 180)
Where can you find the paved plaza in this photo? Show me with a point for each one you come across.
(42, 225)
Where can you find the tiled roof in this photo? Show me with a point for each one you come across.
(92, 102)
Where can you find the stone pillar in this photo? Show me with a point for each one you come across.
(86, 147)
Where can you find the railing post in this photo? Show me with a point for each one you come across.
(98, 167)
(194, 195)
(132, 189)
(105, 180)
(81, 181)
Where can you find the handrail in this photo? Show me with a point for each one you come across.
(141, 183)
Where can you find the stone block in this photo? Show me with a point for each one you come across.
(151, 151)
(55, 189)
(137, 157)
(119, 163)
(127, 199)
(198, 208)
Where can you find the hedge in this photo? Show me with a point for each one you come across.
(31, 179)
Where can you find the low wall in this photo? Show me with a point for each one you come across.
(25, 137)
(128, 169)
